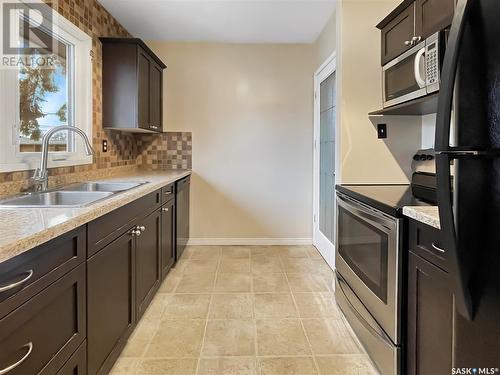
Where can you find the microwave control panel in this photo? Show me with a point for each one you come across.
(432, 64)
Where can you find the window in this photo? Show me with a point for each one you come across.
(47, 83)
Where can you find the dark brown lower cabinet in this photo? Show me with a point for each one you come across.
(110, 302)
(147, 261)
(77, 364)
(167, 237)
(39, 336)
(430, 319)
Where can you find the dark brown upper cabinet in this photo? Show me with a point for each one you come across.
(397, 34)
(132, 86)
(432, 16)
(411, 22)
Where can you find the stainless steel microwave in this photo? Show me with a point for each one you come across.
(415, 73)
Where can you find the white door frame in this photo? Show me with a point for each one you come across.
(324, 246)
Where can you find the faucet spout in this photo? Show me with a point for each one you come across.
(40, 176)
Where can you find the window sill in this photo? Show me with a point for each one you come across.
(33, 164)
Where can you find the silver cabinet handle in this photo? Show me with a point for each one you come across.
(16, 284)
(416, 39)
(142, 228)
(133, 232)
(408, 43)
(435, 247)
(24, 358)
(165, 209)
(168, 192)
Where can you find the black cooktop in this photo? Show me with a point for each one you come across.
(387, 198)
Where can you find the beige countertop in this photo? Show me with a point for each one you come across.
(22, 229)
(425, 214)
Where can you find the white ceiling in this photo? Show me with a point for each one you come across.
(233, 21)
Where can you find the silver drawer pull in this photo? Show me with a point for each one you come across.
(435, 247)
(16, 284)
(164, 209)
(168, 192)
(14, 365)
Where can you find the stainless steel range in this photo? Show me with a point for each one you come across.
(369, 259)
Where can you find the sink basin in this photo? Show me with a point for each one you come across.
(56, 199)
(113, 187)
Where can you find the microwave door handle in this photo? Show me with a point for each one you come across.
(418, 76)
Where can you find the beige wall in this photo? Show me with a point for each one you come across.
(249, 108)
(364, 158)
(326, 43)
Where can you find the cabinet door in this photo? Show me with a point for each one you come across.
(147, 261)
(156, 100)
(143, 88)
(110, 304)
(77, 364)
(182, 216)
(430, 319)
(432, 16)
(397, 33)
(167, 237)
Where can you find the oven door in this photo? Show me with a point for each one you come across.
(367, 257)
(404, 78)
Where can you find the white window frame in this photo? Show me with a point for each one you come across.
(11, 159)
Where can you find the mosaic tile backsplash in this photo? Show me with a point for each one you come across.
(165, 151)
(125, 151)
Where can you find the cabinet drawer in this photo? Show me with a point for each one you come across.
(40, 336)
(77, 364)
(27, 274)
(105, 229)
(425, 241)
(167, 193)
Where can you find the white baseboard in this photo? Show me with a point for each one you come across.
(249, 241)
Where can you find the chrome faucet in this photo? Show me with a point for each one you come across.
(40, 178)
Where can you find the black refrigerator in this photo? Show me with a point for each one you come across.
(468, 177)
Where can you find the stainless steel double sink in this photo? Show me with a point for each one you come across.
(77, 195)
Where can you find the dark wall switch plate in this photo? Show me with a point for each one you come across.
(382, 131)
(104, 145)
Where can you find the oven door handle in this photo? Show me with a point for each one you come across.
(375, 332)
(382, 223)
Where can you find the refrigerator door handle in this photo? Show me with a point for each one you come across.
(447, 86)
(458, 267)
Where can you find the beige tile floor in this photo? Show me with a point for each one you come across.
(238, 310)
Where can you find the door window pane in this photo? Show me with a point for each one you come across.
(327, 158)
